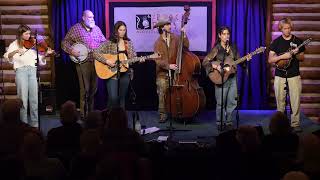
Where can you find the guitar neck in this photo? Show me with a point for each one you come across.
(304, 43)
(244, 58)
(135, 59)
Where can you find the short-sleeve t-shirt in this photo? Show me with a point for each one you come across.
(280, 46)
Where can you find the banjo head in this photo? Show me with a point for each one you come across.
(83, 53)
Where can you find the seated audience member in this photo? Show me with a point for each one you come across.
(64, 142)
(309, 156)
(281, 145)
(281, 138)
(124, 150)
(83, 166)
(94, 120)
(251, 164)
(36, 163)
(295, 175)
(12, 129)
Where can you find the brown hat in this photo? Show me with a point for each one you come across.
(163, 20)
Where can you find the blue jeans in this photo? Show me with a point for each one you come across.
(229, 99)
(112, 87)
(27, 90)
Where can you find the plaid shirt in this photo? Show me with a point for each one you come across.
(110, 47)
(79, 34)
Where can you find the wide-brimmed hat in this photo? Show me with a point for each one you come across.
(163, 20)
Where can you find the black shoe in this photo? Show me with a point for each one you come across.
(229, 126)
(297, 129)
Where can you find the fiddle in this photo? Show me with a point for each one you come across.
(39, 44)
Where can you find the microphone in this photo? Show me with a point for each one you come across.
(227, 45)
(293, 45)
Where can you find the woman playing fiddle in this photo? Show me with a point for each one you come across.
(24, 64)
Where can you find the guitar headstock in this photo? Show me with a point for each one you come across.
(259, 50)
(307, 41)
(154, 56)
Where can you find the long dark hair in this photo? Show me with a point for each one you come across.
(114, 36)
(220, 30)
(22, 29)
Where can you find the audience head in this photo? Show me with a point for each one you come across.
(33, 146)
(295, 175)
(248, 138)
(117, 119)
(94, 120)
(90, 141)
(279, 124)
(11, 110)
(309, 153)
(68, 113)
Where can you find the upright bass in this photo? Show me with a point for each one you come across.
(185, 97)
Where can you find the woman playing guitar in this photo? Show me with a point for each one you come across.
(220, 52)
(119, 47)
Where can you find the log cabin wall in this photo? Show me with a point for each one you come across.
(306, 19)
(35, 14)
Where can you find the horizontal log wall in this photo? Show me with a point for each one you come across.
(306, 19)
(35, 14)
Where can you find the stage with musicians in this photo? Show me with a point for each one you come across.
(119, 89)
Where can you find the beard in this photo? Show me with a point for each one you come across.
(90, 24)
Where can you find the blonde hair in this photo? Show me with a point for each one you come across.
(285, 21)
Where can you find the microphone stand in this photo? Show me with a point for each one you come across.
(135, 114)
(171, 129)
(286, 88)
(222, 126)
(38, 80)
(118, 72)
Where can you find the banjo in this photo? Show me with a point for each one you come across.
(84, 51)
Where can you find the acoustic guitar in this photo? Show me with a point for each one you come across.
(230, 67)
(104, 71)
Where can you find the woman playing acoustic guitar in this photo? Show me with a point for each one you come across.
(118, 46)
(223, 51)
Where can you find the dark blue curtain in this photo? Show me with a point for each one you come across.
(66, 13)
(247, 20)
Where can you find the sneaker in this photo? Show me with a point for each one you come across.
(163, 118)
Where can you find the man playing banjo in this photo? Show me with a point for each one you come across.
(85, 34)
